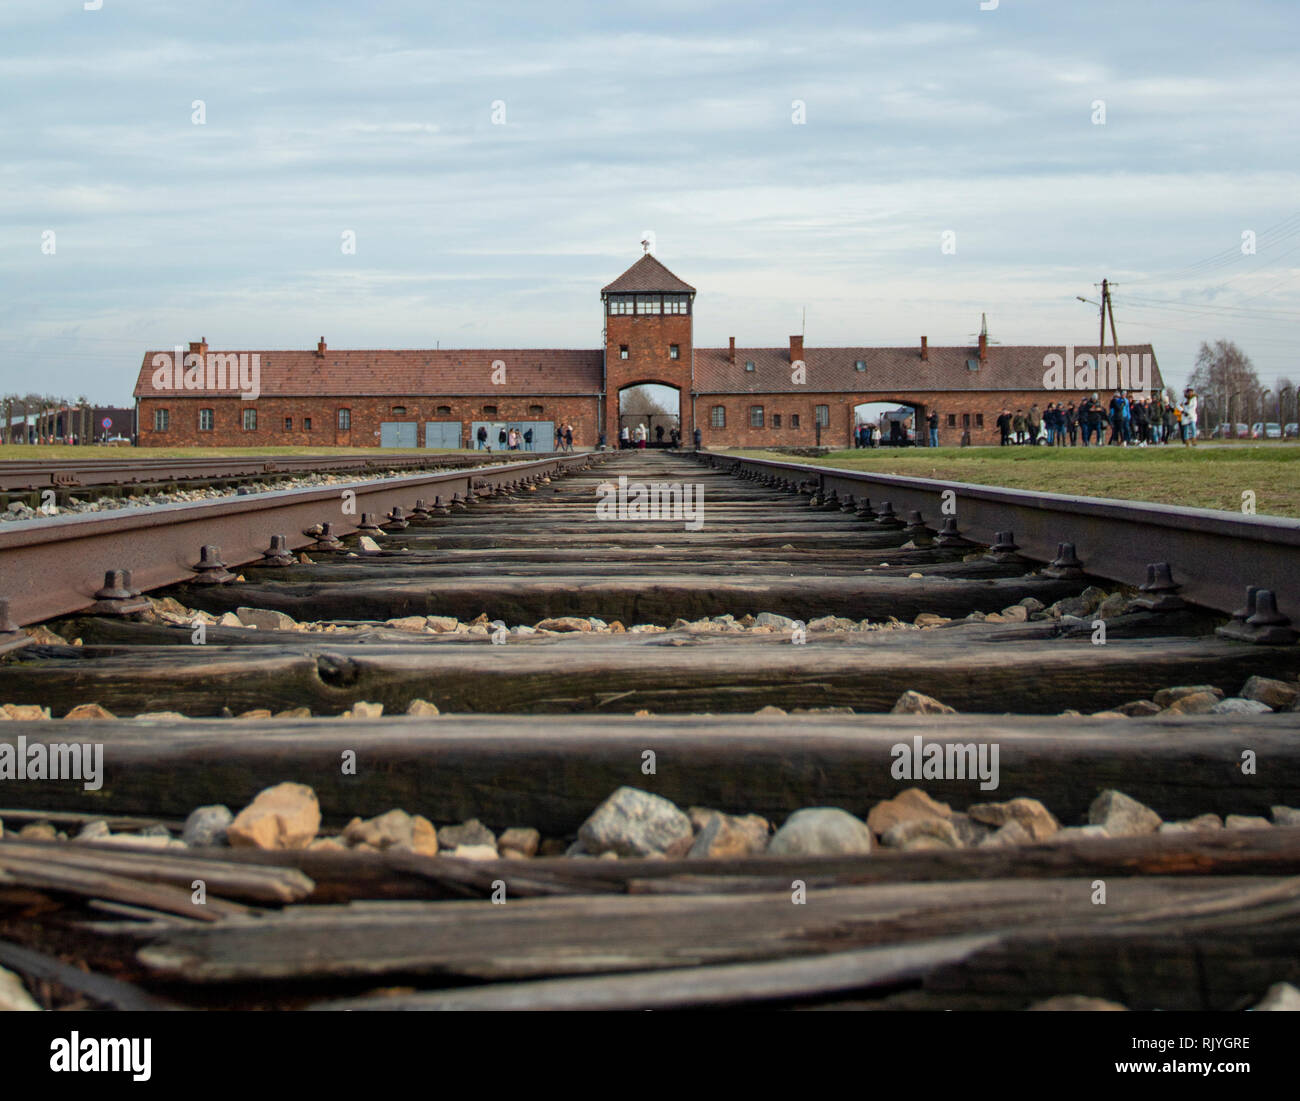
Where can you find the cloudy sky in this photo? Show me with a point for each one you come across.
(499, 162)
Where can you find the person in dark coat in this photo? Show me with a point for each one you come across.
(482, 438)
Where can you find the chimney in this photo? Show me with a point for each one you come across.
(925, 347)
(199, 347)
(320, 347)
(732, 354)
(796, 348)
(984, 338)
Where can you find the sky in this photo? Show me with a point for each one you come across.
(864, 172)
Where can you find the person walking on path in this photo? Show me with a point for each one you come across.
(933, 421)
(1190, 408)
(568, 437)
(481, 435)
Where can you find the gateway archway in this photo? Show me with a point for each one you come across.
(894, 423)
(653, 408)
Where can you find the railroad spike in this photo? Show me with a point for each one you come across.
(421, 510)
(950, 536)
(368, 525)
(848, 504)
(1067, 565)
(1265, 626)
(921, 535)
(397, 519)
(864, 510)
(1004, 548)
(210, 569)
(885, 516)
(326, 540)
(1161, 589)
(278, 553)
(832, 502)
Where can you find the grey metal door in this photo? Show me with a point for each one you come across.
(442, 434)
(399, 434)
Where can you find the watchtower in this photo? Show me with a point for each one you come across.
(648, 338)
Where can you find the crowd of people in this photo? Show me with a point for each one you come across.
(640, 435)
(1129, 419)
(515, 439)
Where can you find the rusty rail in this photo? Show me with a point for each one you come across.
(1214, 557)
(55, 566)
(29, 474)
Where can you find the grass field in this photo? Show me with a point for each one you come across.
(1203, 477)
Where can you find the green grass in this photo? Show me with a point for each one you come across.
(1201, 477)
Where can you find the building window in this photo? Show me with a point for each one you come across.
(677, 303)
(755, 416)
(535, 410)
(620, 303)
(306, 424)
(979, 420)
(345, 420)
(749, 365)
(647, 303)
(161, 419)
(622, 351)
(794, 420)
(444, 410)
(860, 365)
(718, 417)
(776, 420)
(674, 351)
(206, 420)
(399, 410)
(965, 420)
(489, 410)
(824, 415)
(952, 420)
(288, 424)
(250, 420)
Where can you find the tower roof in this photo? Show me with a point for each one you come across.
(647, 275)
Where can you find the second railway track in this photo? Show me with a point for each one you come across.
(561, 644)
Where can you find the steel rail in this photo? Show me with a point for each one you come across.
(1213, 556)
(29, 474)
(56, 566)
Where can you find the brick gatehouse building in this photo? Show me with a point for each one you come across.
(737, 396)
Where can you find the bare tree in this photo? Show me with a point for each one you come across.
(1224, 370)
(642, 403)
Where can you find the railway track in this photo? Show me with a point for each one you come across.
(25, 479)
(546, 677)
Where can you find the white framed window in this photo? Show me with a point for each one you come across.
(206, 420)
(250, 420)
(161, 420)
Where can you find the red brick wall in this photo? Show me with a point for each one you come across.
(739, 433)
(648, 340)
(367, 415)
(581, 411)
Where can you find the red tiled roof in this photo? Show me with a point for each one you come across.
(647, 275)
(831, 370)
(411, 373)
